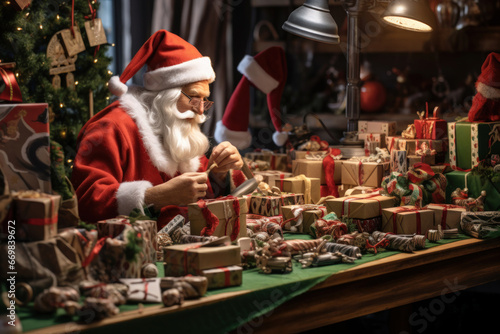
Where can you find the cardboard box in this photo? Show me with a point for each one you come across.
(225, 215)
(469, 143)
(446, 215)
(407, 220)
(368, 174)
(399, 162)
(24, 146)
(426, 159)
(373, 137)
(363, 206)
(308, 186)
(271, 176)
(223, 277)
(36, 215)
(314, 168)
(302, 216)
(197, 256)
(388, 128)
(271, 205)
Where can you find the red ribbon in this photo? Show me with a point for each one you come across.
(185, 259)
(213, 221)
(12, 92)
(355, 198)
(445, 211)
(401, 209)
(227, 275)
(282, 177)
(329, 169)
(40, 221)
(97, 248)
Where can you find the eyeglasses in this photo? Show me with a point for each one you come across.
(196, 102)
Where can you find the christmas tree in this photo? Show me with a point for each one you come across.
(73, 88)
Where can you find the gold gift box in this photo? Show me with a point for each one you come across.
(297, 185)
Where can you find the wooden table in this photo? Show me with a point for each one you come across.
(388, 283)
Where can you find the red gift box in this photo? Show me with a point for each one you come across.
(431, 127)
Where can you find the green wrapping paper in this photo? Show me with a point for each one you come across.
(469, 143)
(475, 183)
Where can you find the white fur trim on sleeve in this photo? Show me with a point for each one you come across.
(280, 138)
(240, 139)
(130, 196)
(257, 75)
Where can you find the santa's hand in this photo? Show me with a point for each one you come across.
(227, 157)
(180, 190)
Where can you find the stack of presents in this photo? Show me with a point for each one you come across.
(312, 206)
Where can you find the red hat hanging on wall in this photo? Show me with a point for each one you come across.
(172, 62)
(486, 102)
(267, 71)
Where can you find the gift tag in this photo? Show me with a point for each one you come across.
(95, 32)
(72, 44)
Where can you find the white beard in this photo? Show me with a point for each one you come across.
(179, 132)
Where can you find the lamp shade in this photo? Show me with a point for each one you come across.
(415, 15)
(313, 20)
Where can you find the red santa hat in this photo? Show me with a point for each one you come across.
(172, 62)
(485, 105)
(267, 71)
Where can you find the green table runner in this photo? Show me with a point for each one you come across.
(267, 293)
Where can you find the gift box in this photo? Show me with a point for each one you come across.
(24, 152)
(271, 205)
(387, 128)
(315, 155)
(430, 127)
(368, 174)
(271, 176)
(277, 161)
(371, 147)
(314, 168)
(300, 184)
(446, 215)
(299, 218)
(373, 137)
(223, 277)
(482, 225)
(368, 225)
(407, 220)
(426, 159)
(363, 206)
(194, 257)
(359, 190)
(399, 162)
(270, 225)
(145, 290)
(36, 215)
(469, 143)
(475, 183)
(225, 216)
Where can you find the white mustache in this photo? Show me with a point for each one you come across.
(188, 114)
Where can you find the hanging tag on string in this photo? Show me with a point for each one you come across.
(94, 29)
(72, 41)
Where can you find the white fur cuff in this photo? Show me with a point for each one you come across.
(240, 139)
(116, 87)
(130, 196)
(280, 138)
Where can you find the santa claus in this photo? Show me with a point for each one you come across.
(146, 148)
(486, 103)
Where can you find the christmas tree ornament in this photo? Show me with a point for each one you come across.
(72, 41)
(21, 4)
(9, 88)
(95, 32)
(60, 60)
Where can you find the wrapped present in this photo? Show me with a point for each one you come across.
(144, 290)
(299, 155)
(430, 127)
(328, 226)
(301, 184)
(219, 217)
(311, 168)
(426, 159)
(446, 215)
(368, 225)
(198, 256)
(469, 143)
(388, 128)
(299, 218)
(270, 225)
(407, 220)
(439, 147)
(24, 148)
(277, 161)
(271, 205)
(36, 215)
(223, 277)
(271, 176)
(371, 147)
(359, 190)
(358, 173)
(475, 183)
(482, 225)
(373, 137)
(399, 162)
(363, 206)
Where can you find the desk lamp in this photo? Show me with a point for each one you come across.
(313, 20)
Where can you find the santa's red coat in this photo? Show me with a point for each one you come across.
(118, 158)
